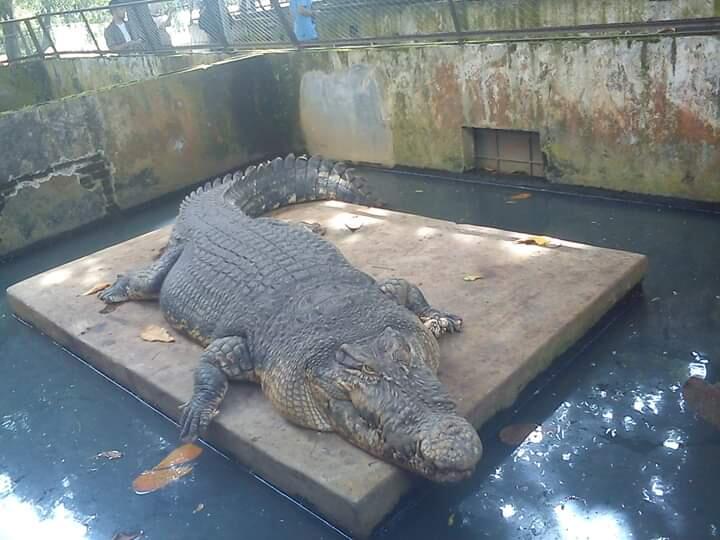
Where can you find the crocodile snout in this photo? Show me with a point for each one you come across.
(451, 449)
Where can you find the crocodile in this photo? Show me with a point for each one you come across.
(275, 303)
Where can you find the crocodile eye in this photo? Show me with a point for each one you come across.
(367, 370)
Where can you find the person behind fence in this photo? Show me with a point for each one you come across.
(304, 19)
(118, 34)
(162, 21)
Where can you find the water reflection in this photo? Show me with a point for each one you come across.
(508, 511)
(576, 523)
(22, 519)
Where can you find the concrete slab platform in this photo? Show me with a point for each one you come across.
(529, 306)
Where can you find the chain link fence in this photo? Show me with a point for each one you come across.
(148, 26)
(164, 26)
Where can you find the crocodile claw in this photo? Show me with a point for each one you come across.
(195, 419)
(440, 323)
(116, 293)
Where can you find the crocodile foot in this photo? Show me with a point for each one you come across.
(118, 292)
(196, 417)
(440, 323)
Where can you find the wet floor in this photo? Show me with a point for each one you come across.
(618, 454)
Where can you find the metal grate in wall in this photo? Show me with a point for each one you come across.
(508, 151)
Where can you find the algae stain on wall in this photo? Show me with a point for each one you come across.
(343, 115)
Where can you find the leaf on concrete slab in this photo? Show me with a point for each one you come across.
(96, 288)
(541, 241)
(156, 333)
(473, 277)
(110, 454)
(515, 434)
(521, 196)
(354, 223)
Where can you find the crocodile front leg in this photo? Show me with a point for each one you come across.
(410, 296)
(224, 359)
(143, 284)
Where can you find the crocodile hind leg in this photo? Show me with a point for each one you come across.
(410, 296)
(223, 360)
(145, 283)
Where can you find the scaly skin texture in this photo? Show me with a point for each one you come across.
(276, 304)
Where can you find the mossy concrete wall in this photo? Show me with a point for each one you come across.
(73, 161)
(430, 17)
(33, 82)
(633, 115)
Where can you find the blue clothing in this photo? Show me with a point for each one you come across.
(304, 26)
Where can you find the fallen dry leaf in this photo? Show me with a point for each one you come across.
(173, 467)
(472, 277)
(156, 333)
(155, 479)
(515, 434)
(704, 399)
(127, 536)
(541, 241)
(354, 224)
(521, 196)
(110, 454)
(96, 288)
(199, 508)
(181, 454)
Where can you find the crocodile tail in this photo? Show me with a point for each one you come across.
(289, 180)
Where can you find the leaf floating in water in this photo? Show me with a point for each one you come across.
(127, 536)
(155, 479)
(96, 288)
(419, 191)
(173, 467)
(515, 434)
(182, 454)
(704, 399)
(521, 196)
(541, 241)
(199, 508)
(156, 333)
(473, 277)
(451, 520)
(110, 454)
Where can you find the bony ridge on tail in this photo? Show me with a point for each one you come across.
(334, 349)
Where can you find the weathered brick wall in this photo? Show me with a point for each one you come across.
(640, 115)
(73, 161)
(32, 82)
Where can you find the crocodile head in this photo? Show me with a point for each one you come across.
(380, 395)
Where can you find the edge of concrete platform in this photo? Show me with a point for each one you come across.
(505, 395)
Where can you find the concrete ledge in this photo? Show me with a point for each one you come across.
(531, 304)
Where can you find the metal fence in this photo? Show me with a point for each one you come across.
(163, 26)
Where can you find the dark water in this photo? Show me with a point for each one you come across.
(620, 456)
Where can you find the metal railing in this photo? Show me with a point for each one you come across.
(164, 26)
